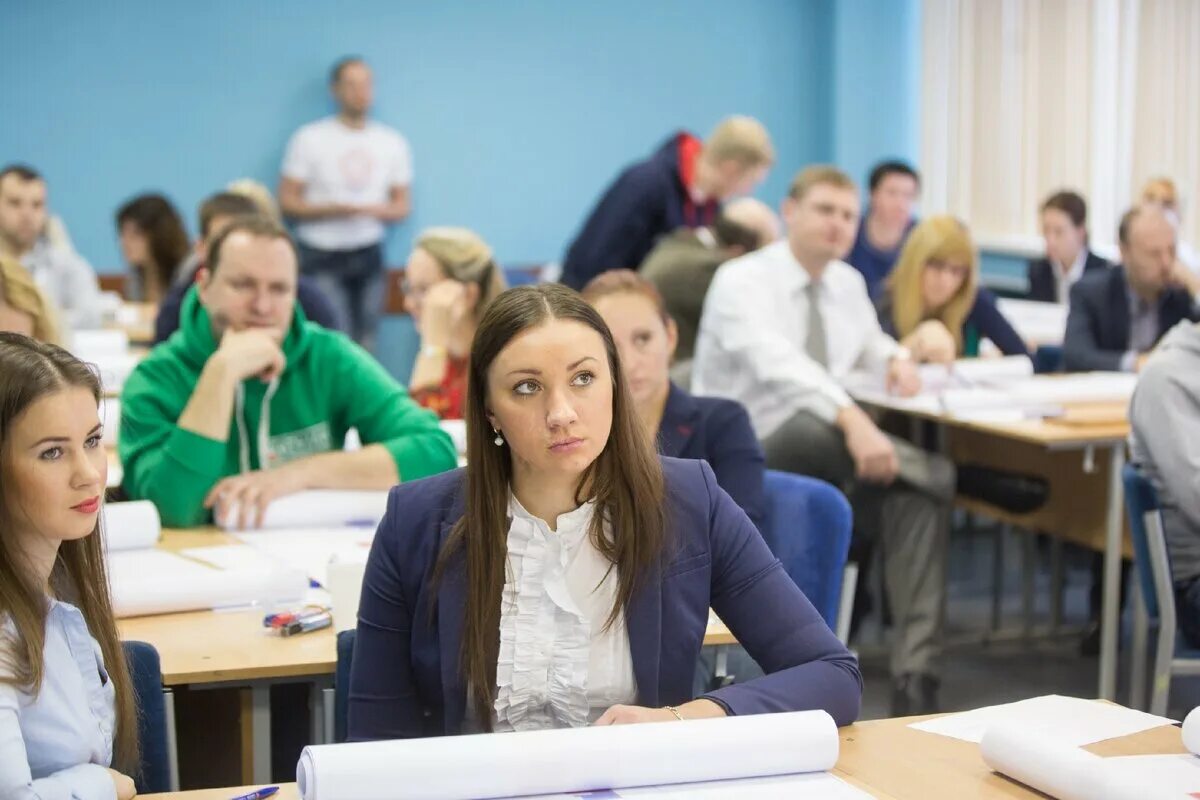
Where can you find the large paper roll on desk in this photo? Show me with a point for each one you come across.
(146, 582)
(1066, 772)
(571, 760)
(131, 526)
(319, 508)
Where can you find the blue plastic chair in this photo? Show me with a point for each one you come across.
(146, 673)
(1156, 595)
(1048, 358)
(341, 683)
(807, 526)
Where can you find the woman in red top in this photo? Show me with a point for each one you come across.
(450, 279)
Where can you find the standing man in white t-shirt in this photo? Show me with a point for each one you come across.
(345, 178)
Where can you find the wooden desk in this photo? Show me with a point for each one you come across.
(1048, 447)
(894, 762)
(137, 320)
(232, 649)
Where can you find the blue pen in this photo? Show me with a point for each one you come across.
(259, 794)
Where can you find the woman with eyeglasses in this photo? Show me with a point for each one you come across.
(449, 281)
(933, 303)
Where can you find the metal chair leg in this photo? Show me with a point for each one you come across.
(1141, 625)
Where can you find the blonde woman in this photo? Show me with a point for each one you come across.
(932, 301)
(23, 307)
(450, 279)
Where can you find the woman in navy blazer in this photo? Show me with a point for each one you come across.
(1064, 228)
(932, 301)
(710, 428)
(552, 435)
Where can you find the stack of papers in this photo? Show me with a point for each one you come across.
(1068, 720)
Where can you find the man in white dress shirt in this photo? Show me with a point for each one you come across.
(781, 328)
(345, 178)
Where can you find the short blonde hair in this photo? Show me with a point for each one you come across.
(740, 139)
(1161, 191)
(258, 194)
(18, 290)
(939, 238)
(466, 258)
(819, 175)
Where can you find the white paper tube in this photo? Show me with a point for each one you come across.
(571, 760)
(1061, 771)
(131, 526)
(319, 508)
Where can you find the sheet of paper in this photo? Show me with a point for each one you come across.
(1040, 323)
(1176, 777)
(231, 557)
(1069, 721)
(575, 760)
(309, 549)
(809, 786)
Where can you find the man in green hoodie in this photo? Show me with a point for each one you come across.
(248, 402)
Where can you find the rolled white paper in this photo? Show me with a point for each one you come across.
(91, 344)
(1064, 772)
(571, 760)
(146, 582)
(319, 508)
(131, 526)
(1191, 731)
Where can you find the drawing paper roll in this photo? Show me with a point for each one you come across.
(319, 508)
(146, 582)
(571, 760)
(1061, 771)
(1191, 731)
(131, 526)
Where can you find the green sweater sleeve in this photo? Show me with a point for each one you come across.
(382, 411)
(169, 466)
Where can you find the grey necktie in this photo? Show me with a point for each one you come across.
(814, 339)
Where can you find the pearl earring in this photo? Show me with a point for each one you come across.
(499, 440)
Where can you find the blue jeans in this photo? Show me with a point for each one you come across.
(353, 282)
(1187, 610)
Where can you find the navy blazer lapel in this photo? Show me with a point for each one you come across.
(643, 620)
(452, 595)
(678, 422)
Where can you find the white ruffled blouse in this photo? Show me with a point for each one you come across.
(558, 665)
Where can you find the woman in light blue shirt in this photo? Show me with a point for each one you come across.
(68, 722)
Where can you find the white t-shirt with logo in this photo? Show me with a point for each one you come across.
(340, 164)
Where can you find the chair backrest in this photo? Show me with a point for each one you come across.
(1141, 501)
(807, 527)
(341, 683)
(1048, 358)
(146, 672)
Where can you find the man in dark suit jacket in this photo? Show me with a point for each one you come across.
(1117, 316)
(1064, 228)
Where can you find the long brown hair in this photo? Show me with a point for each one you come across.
(625, 482)
(163, 228)
(29, 371)
(939, 238)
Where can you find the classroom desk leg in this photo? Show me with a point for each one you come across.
(329, 701)
(1110, 625)
(260, 728)
(172, 740)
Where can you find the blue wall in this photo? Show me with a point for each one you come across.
(518, 112)
(877, 83)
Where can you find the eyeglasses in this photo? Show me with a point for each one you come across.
(959, 271)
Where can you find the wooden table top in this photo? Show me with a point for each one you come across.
(230, 646)
(893, 762)
(1082, 424)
